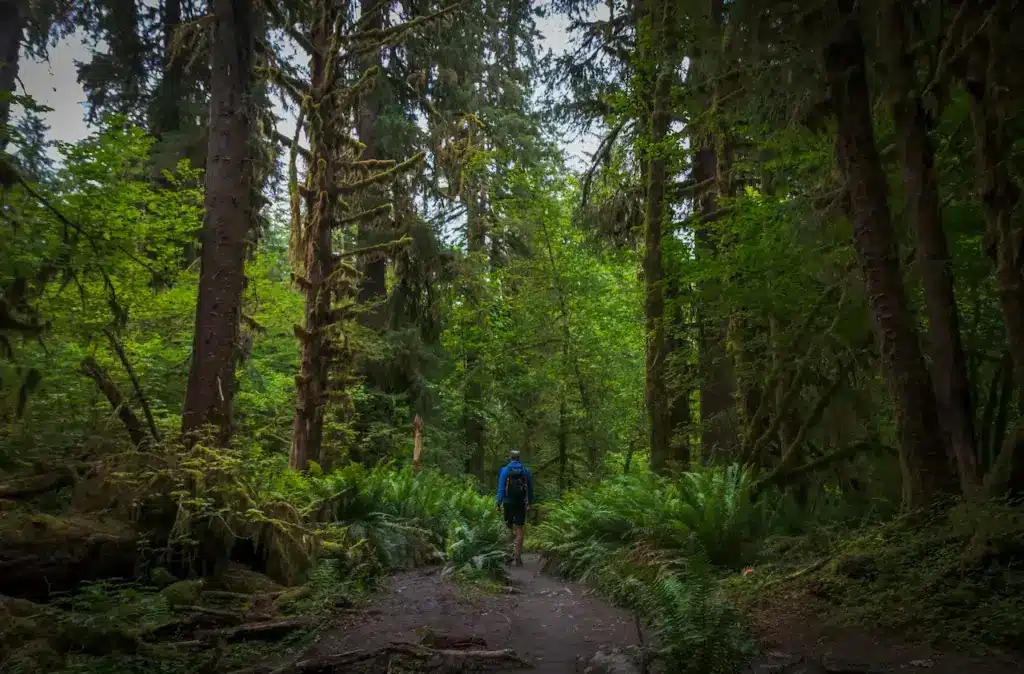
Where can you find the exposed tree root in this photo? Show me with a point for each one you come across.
(232, 596)
(227, 615)
(201, 617)
(797, 574)
(410, 657)
(269, 630)
(442, 640)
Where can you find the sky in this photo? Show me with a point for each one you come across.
(53, 83)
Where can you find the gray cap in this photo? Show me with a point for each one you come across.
(513, 455)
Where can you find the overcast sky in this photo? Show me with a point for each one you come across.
(54, 83)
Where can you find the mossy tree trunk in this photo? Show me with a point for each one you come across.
(336, 178)
(661, 22)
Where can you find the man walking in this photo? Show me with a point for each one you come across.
(515, 493)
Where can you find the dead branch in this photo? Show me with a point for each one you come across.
(841, 454)
(793, 453)
(751, 450)
(290, 143)
(750, 442)
(793, 576)
(93, 370)
(130, 371)
(366, 250)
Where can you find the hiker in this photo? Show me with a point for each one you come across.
(515, 493)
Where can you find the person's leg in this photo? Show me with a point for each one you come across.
(520, 522)
(510, 525)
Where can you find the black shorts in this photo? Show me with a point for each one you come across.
(515, 513)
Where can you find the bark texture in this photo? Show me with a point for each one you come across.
(988, 85)
(473, 420)
(12, 28)
(926, 471)
(913, 128)
(662, 26)
(229, 214)
(318, 261)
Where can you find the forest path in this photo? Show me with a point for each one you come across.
(553, 625)
(559, 627)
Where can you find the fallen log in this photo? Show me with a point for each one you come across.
(25, 621)
(34, 485)
(41, 554)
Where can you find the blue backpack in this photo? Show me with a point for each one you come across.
(516, 486)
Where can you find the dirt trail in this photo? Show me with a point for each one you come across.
(558, 627)
(549, 623)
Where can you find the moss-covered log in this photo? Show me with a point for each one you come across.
(43, 554)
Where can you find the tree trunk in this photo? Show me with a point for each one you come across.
(913, 129)
(986, 85)
(474, 424)
(679, 394)
(926, 471)
(229, 214)
(662, 26)
(563, 445)
(717, 389)
(166, 112)
(711, 172)
(417, 444)
(12, 27)
(372, 285)
(311, 385)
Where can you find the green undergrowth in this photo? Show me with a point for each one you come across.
(957, 576)
(364, 522)
(696, 552)
(653, 545)
(324, 540)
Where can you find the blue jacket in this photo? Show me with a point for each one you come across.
(504, 474)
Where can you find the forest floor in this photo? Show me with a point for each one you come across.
(552, 625)
(557, 627)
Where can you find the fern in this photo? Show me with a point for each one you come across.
(651, 544)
